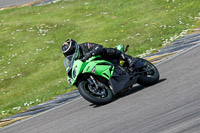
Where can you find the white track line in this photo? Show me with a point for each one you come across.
(178, 54)
(17, 122)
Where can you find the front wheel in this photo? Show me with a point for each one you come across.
(151, 74)
(101, 95)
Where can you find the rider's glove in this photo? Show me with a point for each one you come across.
(87, 56)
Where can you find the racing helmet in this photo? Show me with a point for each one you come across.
(69, 47)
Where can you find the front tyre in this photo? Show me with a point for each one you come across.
(148, 78)
(102, 95)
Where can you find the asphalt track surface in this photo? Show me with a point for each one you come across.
(5, 3)
(171, 106)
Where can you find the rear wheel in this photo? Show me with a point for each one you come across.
(100, 95)
(151, 76)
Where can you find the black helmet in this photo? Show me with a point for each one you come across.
(69, 47)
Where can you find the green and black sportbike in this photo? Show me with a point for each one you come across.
(99, 80)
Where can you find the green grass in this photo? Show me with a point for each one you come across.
(31, 61)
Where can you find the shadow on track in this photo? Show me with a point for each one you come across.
(127, 92)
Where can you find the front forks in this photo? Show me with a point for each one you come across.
(96, 87)
(92, 81)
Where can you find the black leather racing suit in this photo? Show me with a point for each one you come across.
(89, 49)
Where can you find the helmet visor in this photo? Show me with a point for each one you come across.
(69, 60)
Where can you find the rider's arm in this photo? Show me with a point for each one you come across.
(91, 49)
(95, 49)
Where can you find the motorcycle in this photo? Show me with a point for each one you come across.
(99, 80)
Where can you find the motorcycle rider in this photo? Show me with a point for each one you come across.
(87, 50)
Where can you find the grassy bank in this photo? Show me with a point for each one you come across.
(31, 67)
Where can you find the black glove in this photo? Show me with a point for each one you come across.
(87, 56)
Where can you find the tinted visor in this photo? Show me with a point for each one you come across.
(71, 51)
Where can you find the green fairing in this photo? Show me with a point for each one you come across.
(120, 47)
(101, 70)
(96, 67)
(79, 65)
(87, 67)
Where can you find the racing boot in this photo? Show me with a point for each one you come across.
(129, 59)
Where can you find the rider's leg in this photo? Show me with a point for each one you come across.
(112, 53)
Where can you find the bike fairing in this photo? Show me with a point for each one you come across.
(73, 67)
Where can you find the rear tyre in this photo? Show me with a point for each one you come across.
(148, 78)
(102, 95)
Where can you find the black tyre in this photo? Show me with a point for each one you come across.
(148, 78)
(102, 95)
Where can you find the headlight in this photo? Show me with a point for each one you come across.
(74, 72)
(69, 81)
